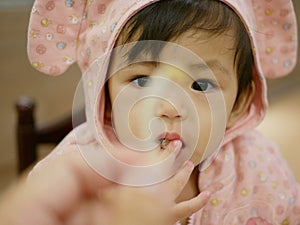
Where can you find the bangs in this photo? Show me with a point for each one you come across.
(181, 16)
(168, 19)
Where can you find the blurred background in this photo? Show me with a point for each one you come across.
(54, 95)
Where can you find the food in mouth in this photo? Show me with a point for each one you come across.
(166, 138)
(164, 143)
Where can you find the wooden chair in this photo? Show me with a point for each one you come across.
(30, 133)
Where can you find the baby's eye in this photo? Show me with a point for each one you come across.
(141, 81)
(203, 85)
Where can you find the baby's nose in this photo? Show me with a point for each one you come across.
(168, 110)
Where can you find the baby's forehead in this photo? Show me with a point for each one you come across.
(154, 52)
(190, 51)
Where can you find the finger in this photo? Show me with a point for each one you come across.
(187, 208)
(71, 168)
(173, 148)
(60, 186)
(176, 184)
(90, 212)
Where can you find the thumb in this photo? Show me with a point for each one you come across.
(187, 208)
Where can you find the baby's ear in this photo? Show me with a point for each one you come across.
(53, 33)
(241, 105)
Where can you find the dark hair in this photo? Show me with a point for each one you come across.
(212, 16)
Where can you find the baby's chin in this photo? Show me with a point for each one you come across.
(157, 155)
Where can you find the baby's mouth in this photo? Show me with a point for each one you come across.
(167, 138)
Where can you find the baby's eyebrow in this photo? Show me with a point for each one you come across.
(210, 64)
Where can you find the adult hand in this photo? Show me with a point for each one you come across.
(155, 204)
(67, 191)
(55, 194)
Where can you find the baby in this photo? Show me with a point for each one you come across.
(175, 80)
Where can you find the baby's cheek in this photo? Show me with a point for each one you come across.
(200, 149)
(138, 123)
(203, 130)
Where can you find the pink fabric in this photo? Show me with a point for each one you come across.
(249, 181)
(64, 32)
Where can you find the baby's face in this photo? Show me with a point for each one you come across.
(184, 96)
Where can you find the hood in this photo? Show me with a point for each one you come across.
(64, 32)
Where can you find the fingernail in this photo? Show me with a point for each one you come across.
(206, 194)
(189, 164)
(177, 144)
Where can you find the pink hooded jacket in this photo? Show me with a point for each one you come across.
(249, 181)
